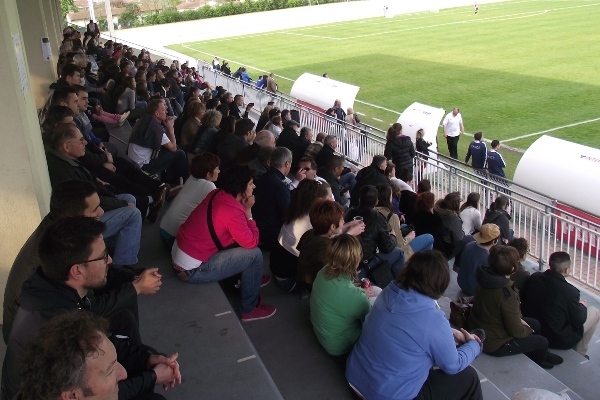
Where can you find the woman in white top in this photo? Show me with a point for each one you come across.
(284, 255)
(275, 126)
(205, 171)
(470, 215)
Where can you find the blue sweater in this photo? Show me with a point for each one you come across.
(403, 336)
(473, 256)
(478, 151)
(496, 163)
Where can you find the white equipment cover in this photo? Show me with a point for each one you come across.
(322, 92)
(562, 170)
(421, 116)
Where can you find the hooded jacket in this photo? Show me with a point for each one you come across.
(376, 234)
(401, 151)
(497, 310)
(452, 232)
(500, 218)
(403, 336)
(43, 298)
(370, 175)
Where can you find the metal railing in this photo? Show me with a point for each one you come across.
(536, 217)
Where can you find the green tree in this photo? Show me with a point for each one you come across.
(66, 6)
(130, 16)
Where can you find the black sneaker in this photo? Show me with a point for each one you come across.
(554, 359)
(546, 364)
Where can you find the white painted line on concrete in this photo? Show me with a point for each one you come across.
(483, 380)
(223, 313)
(241, 360)
(584, 361)
(552, 130)
(597, 341)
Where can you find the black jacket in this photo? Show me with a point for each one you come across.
(333, 181)
(298, 151)
(426, 222)
(402, 152)
(61, 168)
(43, 298)
(272, 199)
(554, 302)
(229, 149)
(452, 232)
(287, 138)
(376, 234)
(500, 218)
(324, 156)
(367, 176)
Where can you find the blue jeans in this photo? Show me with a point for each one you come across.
(123, 231)
(422, 242)
(226, 263)
(174, 163)
(395, 258)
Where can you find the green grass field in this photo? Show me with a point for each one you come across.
(516, 68)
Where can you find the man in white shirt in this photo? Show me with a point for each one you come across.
(453, 127)
(153, 146)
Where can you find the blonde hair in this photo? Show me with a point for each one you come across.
(343, 256)
(420, 134)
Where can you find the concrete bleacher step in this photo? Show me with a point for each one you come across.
(511, 374)
(579, 374)
(119, 135)
(217, 359)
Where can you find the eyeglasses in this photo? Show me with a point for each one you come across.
(104, 257)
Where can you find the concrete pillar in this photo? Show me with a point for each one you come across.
(24, 182)
(38, 19)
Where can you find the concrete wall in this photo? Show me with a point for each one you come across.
(24, 182)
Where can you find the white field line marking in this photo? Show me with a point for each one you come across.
(246, 358)
(359, 113)
(469, 21)
(376, 106)
(377, 119)
(311, 36)
(551, 130)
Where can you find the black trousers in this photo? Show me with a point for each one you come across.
(534, 346)
(441, 386)
(453, 145)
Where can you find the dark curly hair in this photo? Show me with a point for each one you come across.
(55, 360)
(235, 179)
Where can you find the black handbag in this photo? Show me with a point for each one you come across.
(377, 270)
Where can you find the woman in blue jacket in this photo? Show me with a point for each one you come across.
(406, 334)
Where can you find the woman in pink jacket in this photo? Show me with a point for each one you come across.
(220, 239)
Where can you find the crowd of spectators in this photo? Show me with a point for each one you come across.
(241, 190)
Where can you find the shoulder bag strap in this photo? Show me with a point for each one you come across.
(211, 227)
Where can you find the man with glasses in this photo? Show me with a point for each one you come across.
(66, 145)
(74, 263)
(70, 199)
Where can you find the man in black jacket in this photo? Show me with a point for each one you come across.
(272, 195)
(332, 174)
(377, 234)
(567, 322)
(74, 263)
(289, 135)
(69, 199)
(372, 175)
